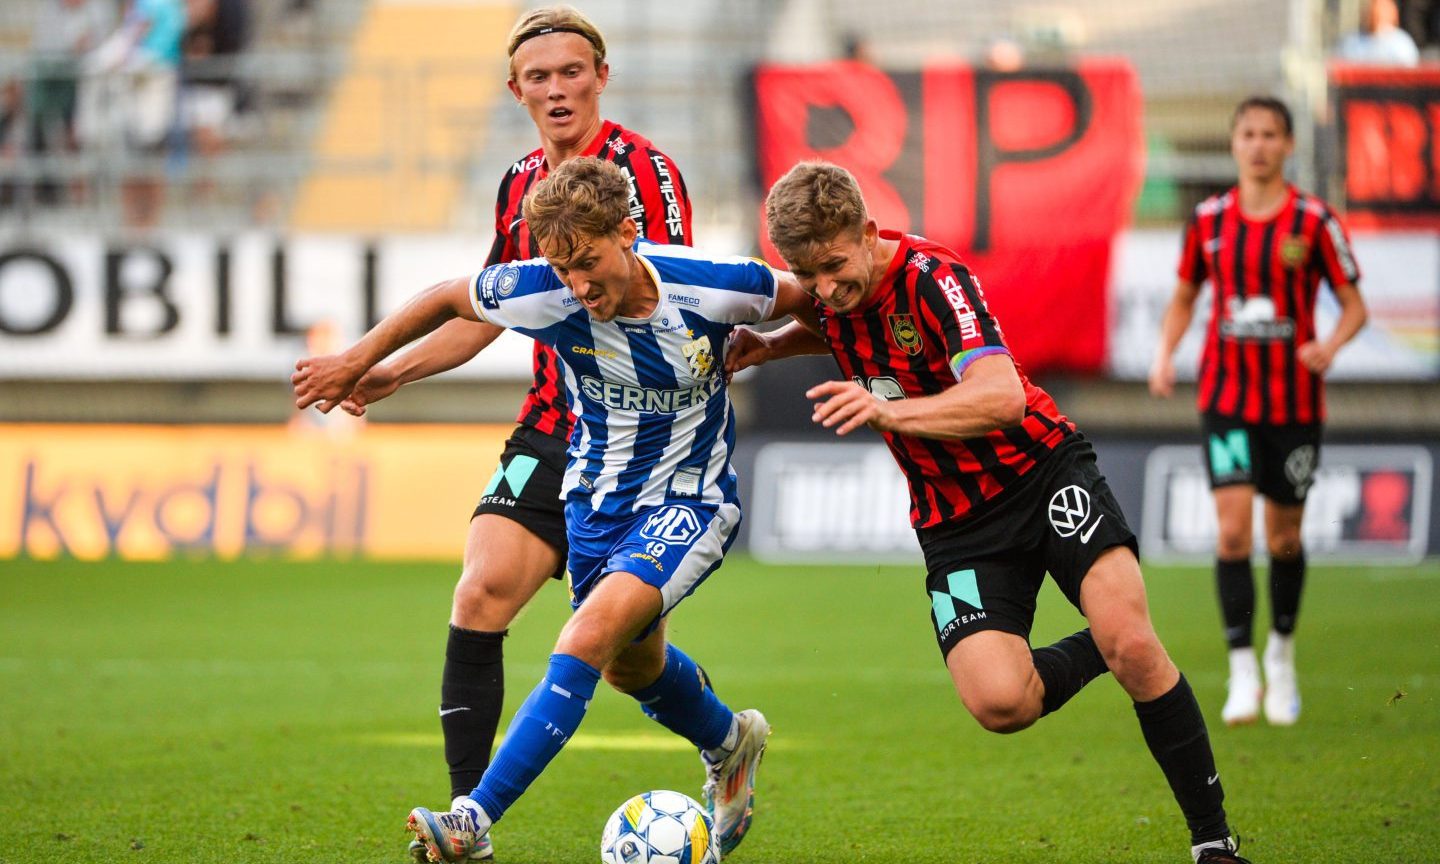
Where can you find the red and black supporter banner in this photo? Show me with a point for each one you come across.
(1388, 124)
(1028, 175)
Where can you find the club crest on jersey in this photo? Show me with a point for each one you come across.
(906, 335)
(1293, 251)
(702, 361)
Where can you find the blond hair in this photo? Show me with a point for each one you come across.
(582, 200)
(551, 19)
(814, 203)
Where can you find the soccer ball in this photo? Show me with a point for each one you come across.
(660, 828)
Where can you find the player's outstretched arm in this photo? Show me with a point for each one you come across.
(455, 343)
(1317, 355)
(1172, 328)
(326, 380)
(801, 336)
(988, 397)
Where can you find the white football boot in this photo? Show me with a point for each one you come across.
(463, 834)
(1242, 705)
(1282, 691)
(730, 783)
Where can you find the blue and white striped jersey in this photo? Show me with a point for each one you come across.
(653, 417)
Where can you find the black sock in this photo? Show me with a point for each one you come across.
(472, 691)
(1287, 580)
(1174, 729)
(1236, 584)
(1067, 666)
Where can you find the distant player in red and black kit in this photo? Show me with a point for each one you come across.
(517, 533)
(1264, 245)
(1003, 488)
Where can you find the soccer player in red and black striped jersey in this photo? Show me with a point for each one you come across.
(1264, 246)
(517, 533)
(1003, 488)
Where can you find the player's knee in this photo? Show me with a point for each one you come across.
(1284, 545)
(480, 593)
(629, 677)
(1134, 654)
(1233, 542)
(1004, 714)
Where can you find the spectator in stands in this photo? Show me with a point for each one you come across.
(218, 33)
(1421, 19)
(130, 90)
(65, 31)
(12, 124)
(1380, 42)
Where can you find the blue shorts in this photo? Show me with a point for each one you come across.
(672, 546)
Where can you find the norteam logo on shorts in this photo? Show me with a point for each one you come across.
(673, 524)
(961, 586)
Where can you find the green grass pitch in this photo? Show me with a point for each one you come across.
(285, 712)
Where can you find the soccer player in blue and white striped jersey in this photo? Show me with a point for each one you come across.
(651, 499)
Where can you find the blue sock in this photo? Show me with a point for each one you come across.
(680, 701)
(540, 728)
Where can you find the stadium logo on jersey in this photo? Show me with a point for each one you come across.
(673, 524)
(907, 337)
(920, 261)
(674, 219)
(1069, 509)
(702, 361)
(616, 146)
(1293, 251)
(1254, 318)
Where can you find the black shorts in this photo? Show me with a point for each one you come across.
(984, 573)
(1279, 461)
(525, 487)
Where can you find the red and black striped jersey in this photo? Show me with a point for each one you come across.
(658, 203)
(1266, 276)
(925, 324)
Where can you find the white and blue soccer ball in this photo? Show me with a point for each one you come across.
(660, 828)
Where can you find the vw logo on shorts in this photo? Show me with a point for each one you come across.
(1069, 508)
(674, 524)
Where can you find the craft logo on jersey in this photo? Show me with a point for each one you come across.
(1293, 251)
(702, 361)
(1069, 508)
(673, 524)
(1254, 318)
(907, 337)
